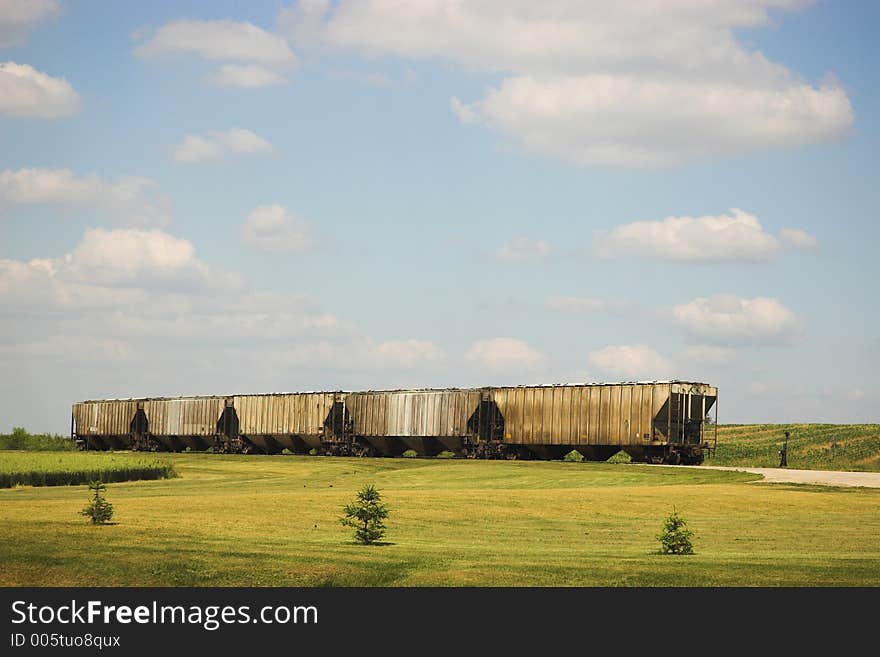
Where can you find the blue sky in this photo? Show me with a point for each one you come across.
(209, 198)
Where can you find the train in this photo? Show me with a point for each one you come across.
(655, 422)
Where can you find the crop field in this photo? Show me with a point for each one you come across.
(811, 446)
(68, 468)
(273, 521)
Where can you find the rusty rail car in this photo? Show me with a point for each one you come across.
(656, 422)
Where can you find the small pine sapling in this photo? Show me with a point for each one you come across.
(99, 510)
(675, 537)
(366, 514)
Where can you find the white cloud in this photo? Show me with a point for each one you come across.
(215, 144)
(118, 274)
(111, 259)
(238, 140)
(737, 236)
(623, 121)
(463, 112)
(127, 257)
(246, 76)
(406, 353)
(253, 56)
(505, 355)
(17, 17)
(633, 362)
(517, 35)
(26, 92)
(146, 300)
(798, 239)
(195, 148)
(727, 319)
(68, 349)
(149, 283)
(222, 40)
(274, 229)
(303, 22)
(131, 200)
(585, 305)
(523, 249)
(600, 83)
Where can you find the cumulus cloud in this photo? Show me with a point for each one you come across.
(180, 325)
(798, 239)
(216, 144)
(18, 17)
(406, 353)
(512, 35)
(462, 112)
(127, 257)
(730, 320)
(105, 260)
(505, 355)
(222, 40)
(274, 229)
(633, 362)
(131, 200)
(246, 76)
(253, 56)
(624, 121)
(737, 236)
(599, 83)
(28, 93)
(68, 350)
(149, 284)
(523, 249)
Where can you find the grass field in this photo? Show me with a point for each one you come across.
(270, 521)
(810, 446)
(70, 468)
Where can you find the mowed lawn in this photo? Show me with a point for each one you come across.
(272, 521)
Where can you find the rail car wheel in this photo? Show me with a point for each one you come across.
(362, 450)
(674, 458)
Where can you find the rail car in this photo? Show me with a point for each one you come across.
(656, 422)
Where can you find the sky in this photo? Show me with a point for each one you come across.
(220, 197)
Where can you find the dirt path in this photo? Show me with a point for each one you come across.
(821, 477)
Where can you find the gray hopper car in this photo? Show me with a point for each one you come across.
(658, 422)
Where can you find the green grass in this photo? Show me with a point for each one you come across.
(273, 521)
(70, 468)
(809, 448)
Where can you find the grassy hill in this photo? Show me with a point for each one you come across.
(811, 446)
(273, 521)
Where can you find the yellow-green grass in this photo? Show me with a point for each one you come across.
(810, 446)
(272, 521)
(71, 468)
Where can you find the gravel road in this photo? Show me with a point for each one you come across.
(821, 477)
